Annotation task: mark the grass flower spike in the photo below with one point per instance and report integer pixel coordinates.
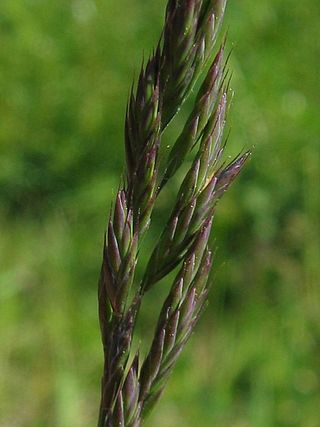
(131, 383)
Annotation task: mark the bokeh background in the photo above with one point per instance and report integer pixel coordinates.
(65, 72)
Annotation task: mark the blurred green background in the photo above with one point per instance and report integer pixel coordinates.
(65, 72)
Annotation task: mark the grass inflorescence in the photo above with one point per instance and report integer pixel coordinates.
(132, 384)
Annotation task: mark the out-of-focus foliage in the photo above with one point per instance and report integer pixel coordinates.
(65, 72)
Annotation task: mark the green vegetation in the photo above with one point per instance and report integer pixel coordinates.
(66, 69)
